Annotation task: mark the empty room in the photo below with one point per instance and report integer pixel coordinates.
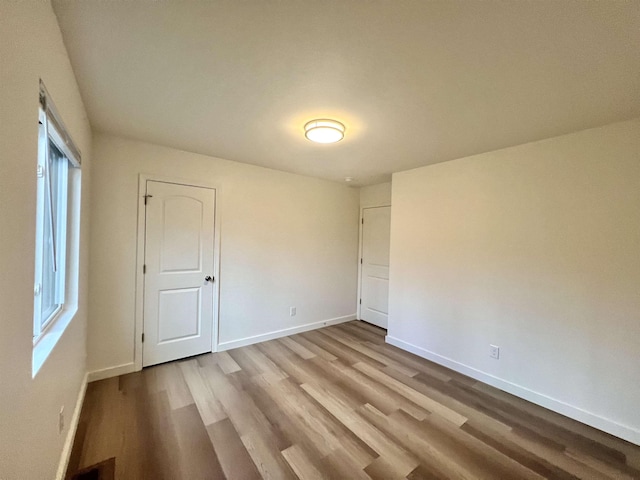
(332, 239)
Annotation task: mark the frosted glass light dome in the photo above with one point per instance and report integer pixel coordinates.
(324, 131)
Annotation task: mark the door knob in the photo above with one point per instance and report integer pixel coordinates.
(208, 278)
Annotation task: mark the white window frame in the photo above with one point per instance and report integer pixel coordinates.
(47, 133)
(65, 230)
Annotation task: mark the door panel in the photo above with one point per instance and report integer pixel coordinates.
(375, 265)
(183, 305)
(178, 301)
(378, 294)
(181, 234)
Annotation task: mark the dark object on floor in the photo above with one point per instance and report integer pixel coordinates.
(101, 471)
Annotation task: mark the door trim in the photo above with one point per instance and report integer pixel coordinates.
(360, 240)
(141, 229)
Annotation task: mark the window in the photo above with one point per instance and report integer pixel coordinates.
(57, 231)
(51, 242)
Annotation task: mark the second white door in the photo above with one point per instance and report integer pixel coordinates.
(179, 265)
(374, 279)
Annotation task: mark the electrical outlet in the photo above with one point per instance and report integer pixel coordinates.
(61, 420)
(494, 351)
(292, 311)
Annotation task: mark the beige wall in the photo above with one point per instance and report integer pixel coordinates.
(286, 240)
(375, 195)
(536, 249)
(31, 48)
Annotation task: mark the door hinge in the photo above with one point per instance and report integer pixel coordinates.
(360, 261)
(147, 197)
(360, 301)
(142, 337)
(363, 221)
(144, 269)
(40, 171)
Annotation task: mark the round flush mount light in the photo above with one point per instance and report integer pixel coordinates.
(324, 131)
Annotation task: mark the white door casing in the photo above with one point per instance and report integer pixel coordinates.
(179, 255)
(374, 279)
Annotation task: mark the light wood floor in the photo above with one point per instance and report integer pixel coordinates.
(333, 403)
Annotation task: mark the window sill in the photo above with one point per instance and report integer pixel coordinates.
(48, 340)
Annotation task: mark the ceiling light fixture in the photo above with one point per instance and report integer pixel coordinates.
(324, 131)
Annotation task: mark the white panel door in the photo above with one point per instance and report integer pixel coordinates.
(375, 265)
(178, 283)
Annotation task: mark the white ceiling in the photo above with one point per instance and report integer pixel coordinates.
(415, 82)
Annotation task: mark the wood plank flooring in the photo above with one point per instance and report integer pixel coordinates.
(335, 403)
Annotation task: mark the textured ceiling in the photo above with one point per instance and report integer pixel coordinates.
(415, 82)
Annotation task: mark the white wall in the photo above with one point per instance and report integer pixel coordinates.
(536, 249)
(286, 240)
(31, 48)
(375, 195)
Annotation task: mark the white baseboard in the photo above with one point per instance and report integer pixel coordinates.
(71, 434)
(112, 371)
(243, 342)
(601, 423)
(130, 367)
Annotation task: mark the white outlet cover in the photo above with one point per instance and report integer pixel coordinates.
(61, 420)
(292, 311)
(494, 351)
